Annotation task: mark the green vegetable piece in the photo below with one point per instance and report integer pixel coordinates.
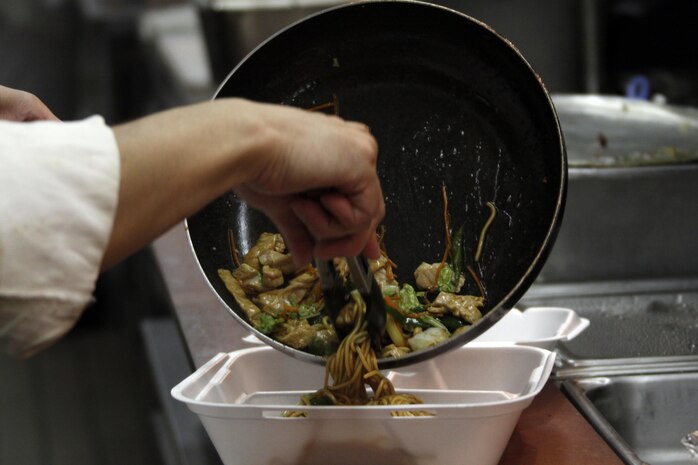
(393, 330)
(431, 321)
(457, 254)
(446, 279)
(324, 343)
(395, 314)
(411, 323)
(390, 290)
(408, 299)
(306, 311)
(268, 324)
(319, 400)
(452, 322)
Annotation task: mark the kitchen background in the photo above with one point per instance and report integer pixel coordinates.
(94, 397)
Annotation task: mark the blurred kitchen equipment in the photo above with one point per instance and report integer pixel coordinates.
(690, 442)
(232, 28)
(452, 104)
(633, 178)
(240, 398)
(641, 409)
(608, 131)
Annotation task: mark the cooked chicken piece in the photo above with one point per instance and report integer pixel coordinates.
(276, 259)
(425, 275)
(272, 277)
(342, 268)
(266, 242)
(250, 279)
(383, 271)
(233, 285)
(274, 302)
(392, 350)
(296, 333)
(463, 306)
(426, 278)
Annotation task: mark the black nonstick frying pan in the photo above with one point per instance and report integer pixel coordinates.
(451, 104)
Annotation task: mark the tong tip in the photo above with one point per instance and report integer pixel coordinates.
(367, 286)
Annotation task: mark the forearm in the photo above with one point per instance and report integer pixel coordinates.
(172, 164)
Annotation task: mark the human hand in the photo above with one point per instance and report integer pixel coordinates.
(315, 178)
(18, 105)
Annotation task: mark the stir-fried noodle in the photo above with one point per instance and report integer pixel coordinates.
(354, 366)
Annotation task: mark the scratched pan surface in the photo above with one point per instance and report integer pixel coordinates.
(451, 103)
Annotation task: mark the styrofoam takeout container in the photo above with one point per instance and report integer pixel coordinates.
(542, 327)
(476, 394)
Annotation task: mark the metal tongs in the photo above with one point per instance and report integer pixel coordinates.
(335, 294)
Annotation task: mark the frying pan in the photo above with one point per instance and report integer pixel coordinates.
(451, 103)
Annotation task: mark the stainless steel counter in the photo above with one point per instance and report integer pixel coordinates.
(206, 325)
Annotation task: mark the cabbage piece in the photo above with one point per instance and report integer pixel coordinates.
(394, 331)
(408, 299)
(428, 338)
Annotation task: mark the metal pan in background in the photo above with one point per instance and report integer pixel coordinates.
(603, 131)
(451, 103)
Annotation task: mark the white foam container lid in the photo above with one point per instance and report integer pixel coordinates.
(542, 327)
(476, 394)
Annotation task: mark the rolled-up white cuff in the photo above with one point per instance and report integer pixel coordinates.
(58, 194)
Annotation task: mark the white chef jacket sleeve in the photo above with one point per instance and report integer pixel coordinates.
(58, 195)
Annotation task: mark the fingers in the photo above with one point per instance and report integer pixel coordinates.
(359, 126)
(331, 216)
(42, 112)
(338, 227)
(35, 110)
(363, 243)
(372, 249)
(304, 246)
(18, 105)
(299, 242)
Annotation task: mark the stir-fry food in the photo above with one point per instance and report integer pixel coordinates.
(353, 368)
(287, 304)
